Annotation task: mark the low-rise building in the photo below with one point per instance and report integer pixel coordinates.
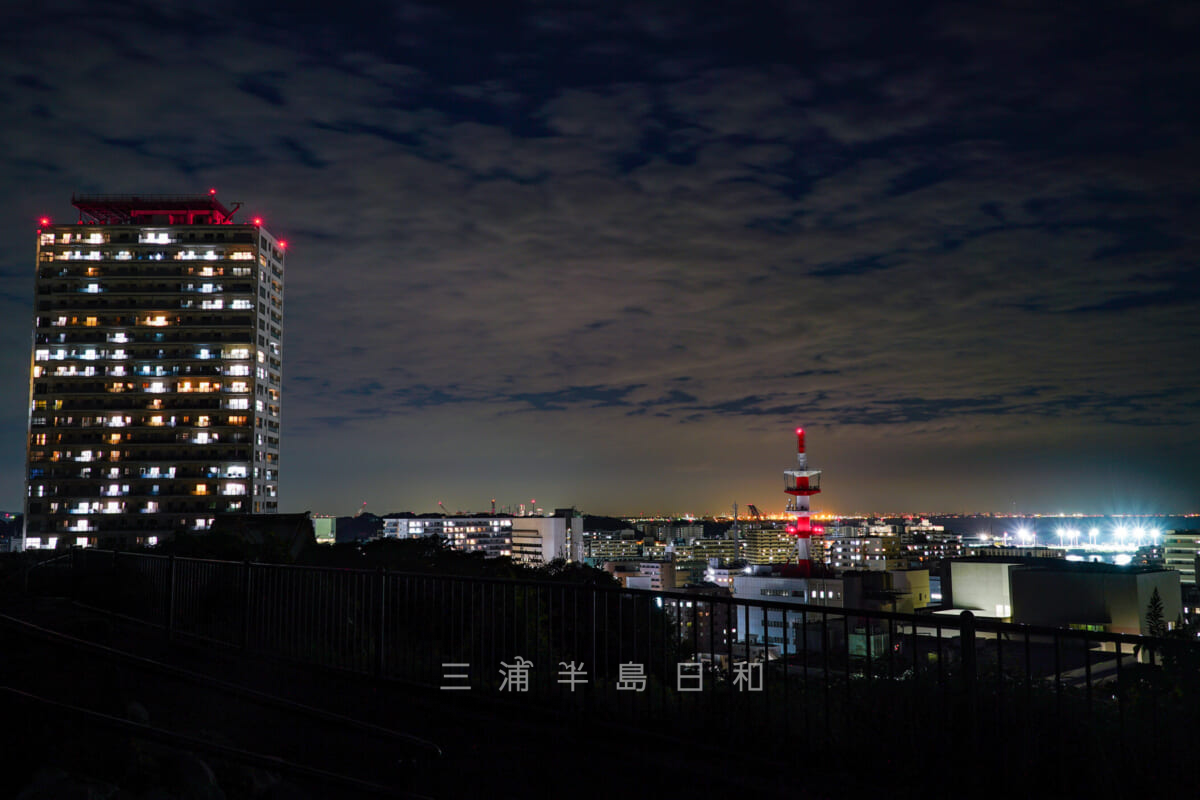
(601, 546)
(529, 540)
(768, 546)
(1064, 594)
(658, 576)
(706, 549)
(876, 553)
(491, 536)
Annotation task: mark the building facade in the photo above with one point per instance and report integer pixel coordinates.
(769, 546)
(1181, 551)
(156, 377)
(529, 540)
(491, 536)
(1058, 593)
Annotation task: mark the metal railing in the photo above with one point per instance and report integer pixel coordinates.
(758, 675)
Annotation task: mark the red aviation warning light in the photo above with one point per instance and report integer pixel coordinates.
(44, 221)
(258, 220)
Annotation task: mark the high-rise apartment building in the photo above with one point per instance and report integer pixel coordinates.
(156, 374)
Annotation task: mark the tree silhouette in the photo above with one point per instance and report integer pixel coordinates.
(1156, 624)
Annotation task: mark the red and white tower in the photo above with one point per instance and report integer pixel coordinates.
(801, 483)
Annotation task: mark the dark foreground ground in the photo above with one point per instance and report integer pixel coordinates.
(487, 750)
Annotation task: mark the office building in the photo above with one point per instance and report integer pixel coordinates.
(155, 388)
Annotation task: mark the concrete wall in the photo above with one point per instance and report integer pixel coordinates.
(982, 587)
(1114, 599)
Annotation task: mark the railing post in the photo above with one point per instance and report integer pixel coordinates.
(170, 595)
(246, 605)
(969, 668)
(114, 586)
(72, 579)
(380, 605)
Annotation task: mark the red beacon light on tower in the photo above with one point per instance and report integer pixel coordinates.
(258, 220)
(44, 221)
(212, 191)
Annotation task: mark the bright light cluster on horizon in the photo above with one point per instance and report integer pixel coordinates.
(1120, 537)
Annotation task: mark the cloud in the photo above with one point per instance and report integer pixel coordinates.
(880, 224)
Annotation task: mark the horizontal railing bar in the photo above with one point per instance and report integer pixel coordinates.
(951, 622)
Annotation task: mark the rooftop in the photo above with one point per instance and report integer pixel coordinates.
(124, 209)
(1059, 564)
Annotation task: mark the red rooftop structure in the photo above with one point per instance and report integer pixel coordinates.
(114, 209)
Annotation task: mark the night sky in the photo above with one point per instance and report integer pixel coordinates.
(611, 255)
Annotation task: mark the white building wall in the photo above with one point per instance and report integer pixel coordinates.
(539, 538)
(984, 588)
